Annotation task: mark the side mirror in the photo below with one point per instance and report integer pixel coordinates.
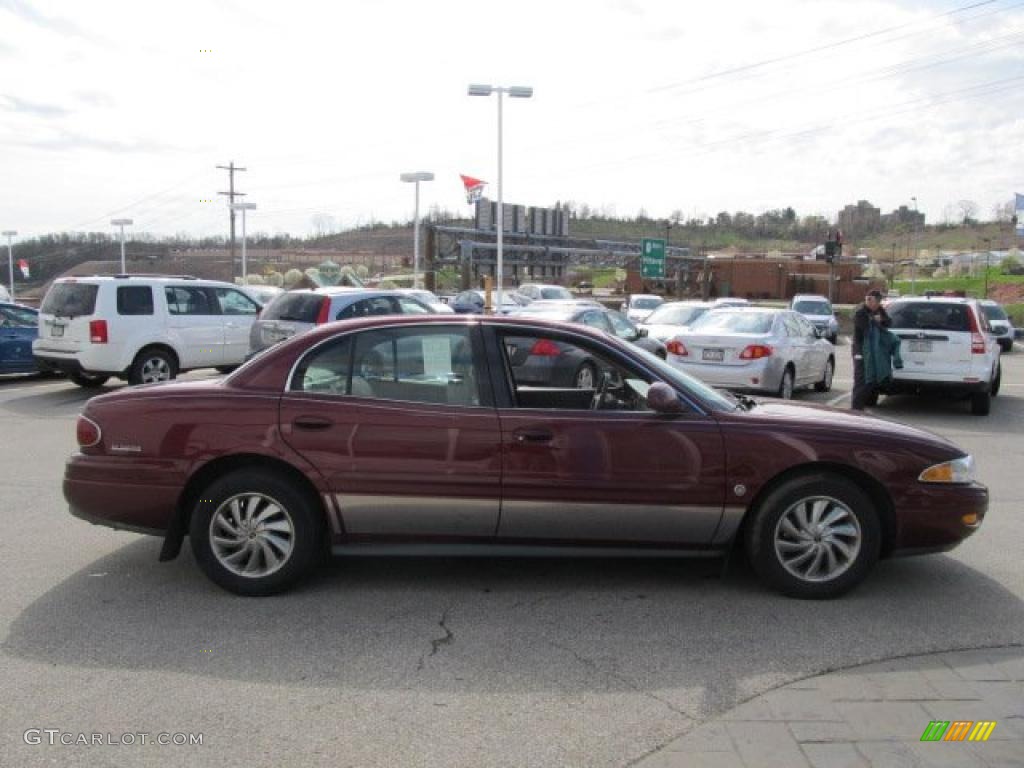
(663, 399)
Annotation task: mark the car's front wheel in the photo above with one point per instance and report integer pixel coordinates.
(815, 536)
(826, 379)
(254, 533)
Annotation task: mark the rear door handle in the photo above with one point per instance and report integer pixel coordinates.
(534, 436)
(312, 422)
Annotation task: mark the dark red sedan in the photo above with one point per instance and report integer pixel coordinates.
(412, 435)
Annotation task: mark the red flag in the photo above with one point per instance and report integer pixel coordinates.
(474, 188)
(23, 266)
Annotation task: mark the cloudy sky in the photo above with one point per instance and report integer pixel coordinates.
(125, 108)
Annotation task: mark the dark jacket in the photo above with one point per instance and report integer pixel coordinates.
(862, 322)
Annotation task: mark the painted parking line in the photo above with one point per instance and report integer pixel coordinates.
(839, 399)
(34, 387)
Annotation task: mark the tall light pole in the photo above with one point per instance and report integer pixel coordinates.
(122, 223)
(416, 178)
(913, 256)
(515, 92)
(243, 207)
(988, 255)
(9, 233)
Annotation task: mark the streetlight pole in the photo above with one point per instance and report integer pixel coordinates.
(988, 256)
(10, 260)
(913, 257)
(416, 178)
(122, 223)
(243, 207)
(515, 92)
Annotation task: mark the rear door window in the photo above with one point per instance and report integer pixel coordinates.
(190, 300)
(70, 299)
(295, 307)
(134, 300)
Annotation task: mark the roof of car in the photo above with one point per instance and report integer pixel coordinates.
(808, 296)
(143, 278)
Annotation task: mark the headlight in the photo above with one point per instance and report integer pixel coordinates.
(956, 471)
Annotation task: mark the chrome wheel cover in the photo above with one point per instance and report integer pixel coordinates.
(252, 535)
(155, 369)
(817, 539)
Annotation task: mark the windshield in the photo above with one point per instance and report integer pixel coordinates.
(673, 314)
(734, 322)
(555, 292)
(646, 302)
(994, 312)
(814, 307)
(70, 299)
(685, 382)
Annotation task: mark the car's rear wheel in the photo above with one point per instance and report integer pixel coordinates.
(88, 380)
(153, 365)
(826, 380)
(255, 533)
(997, 380)
(981, 403)
(786, 385)
(815, 536)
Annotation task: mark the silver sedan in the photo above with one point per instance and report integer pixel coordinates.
(755, 349)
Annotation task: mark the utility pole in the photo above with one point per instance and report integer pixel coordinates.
(231, 168)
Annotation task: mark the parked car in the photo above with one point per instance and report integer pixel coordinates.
(757, 349)
(542, 366)
(19, 326)
(472, 302)
(674, 317)
(946, 347)
(429, 298)
(999, 322)
(414, 434)
(639, 305)
(262, 294)
(817, 309)
(295, 312)
(543, 291)
(141, 328)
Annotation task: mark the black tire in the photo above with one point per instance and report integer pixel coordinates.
(1006, 345)
(825, 384)
(301, 511)
(786, 384)
(981, 403)
(226, 369)
(88, 380)
(997, 382)
(765, 525)
(585, 370)
(151, 365)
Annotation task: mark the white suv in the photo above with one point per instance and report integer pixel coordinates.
(946, 345)
(141, 328)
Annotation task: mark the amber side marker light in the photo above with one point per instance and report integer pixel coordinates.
(970, 519)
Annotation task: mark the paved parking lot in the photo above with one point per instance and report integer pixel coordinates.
(493, 662)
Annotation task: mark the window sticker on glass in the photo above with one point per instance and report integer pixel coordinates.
(437, 356)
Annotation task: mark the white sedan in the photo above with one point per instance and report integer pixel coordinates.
(774, 351)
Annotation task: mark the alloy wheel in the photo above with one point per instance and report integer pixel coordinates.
(252, 535)
(817, 539)
(155, 369)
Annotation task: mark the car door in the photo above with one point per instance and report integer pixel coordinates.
(400, 423)
(238, 313)
(195, 325)
(575, 475)
(816, 350)
(795, 346)
(18, 328)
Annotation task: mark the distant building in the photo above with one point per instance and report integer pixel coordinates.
(903, 216)
(860, 219)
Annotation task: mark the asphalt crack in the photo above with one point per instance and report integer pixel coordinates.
(437, 642)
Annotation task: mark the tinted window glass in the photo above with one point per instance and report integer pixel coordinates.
(236, 303)
(134, 300)
(16, 317)
(295, 307)
(555, 293)
(412, 307)
(189, 300)
(70, 299)
(994, 312)
(595, 320)
(378, 305)
(930, 316)
(813, 307)
(647, 302)
(623, 328)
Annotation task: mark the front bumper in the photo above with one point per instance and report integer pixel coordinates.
(930, 516)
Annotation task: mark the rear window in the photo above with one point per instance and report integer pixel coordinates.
(134, 300)
(555, 293)
(647, 302)
(734, 322)
(70, 299)
(296, 307)
(675, 315)
(813, 308)
(930, 316)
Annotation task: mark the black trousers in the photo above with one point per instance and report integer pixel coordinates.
(862, 391)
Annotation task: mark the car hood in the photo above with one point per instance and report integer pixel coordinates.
(848, 423)
(664, 332)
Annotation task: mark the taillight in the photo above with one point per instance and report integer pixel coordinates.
(325, 310)
(677, 348)
(545, 348)
(87, 432)
(977, 340)
(98, 331)
(755, 352)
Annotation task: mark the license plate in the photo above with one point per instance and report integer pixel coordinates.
(713, 355)
(56, 330)
(920, 346)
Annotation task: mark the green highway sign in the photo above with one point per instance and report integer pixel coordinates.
(652, 258)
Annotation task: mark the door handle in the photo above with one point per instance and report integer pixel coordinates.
(534, 436)
(312, 422)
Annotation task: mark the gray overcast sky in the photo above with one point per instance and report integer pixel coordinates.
(118, 108)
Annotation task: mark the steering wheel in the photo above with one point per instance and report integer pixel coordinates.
(599, 393)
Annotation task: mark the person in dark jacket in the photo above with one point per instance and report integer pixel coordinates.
(864, 392)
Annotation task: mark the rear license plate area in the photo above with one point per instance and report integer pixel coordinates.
(919, 346)
(713, 355)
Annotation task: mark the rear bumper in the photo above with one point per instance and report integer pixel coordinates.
(69, 363)
(123, 493)
(931, 516)
(763, 375)
(914, 386)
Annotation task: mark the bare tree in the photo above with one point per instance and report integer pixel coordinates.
(1003, 212)
(968, 210)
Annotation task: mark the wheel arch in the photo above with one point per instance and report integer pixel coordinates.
(161, 345)
(218, 467)
(880, 498)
